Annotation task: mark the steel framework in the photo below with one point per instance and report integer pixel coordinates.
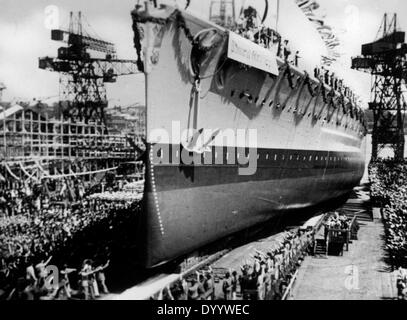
(222, 12)
(82, 81)
(385, 60)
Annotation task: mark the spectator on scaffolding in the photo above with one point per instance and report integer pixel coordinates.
(166, 294)
(286, 50)
(249, 34)
(101, 278)
(326, 77)
(41, 274)
(193, 290)
(401, 281)
(201, 287)
(227, 287)
(209, 287)
(65, 283)
(340, 85)
(235, 281)
(316, 72)
(30, 283)
(3, 204)
(331, 80)
(250, 15)
(42, 288)
(278, 263)
(261, 281)
(253, 286)
(177, 291)
(86, 281)
(296, 58)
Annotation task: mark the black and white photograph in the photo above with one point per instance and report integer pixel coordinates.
(219, 151)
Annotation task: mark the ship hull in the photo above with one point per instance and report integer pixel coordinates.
(188, 207)
(307, 151)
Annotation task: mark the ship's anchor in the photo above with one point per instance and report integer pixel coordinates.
(192, 142)
(194, 104)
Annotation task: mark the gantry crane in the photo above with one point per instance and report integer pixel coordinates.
(2, 87)
(385, 60)
(83, 77)
(222, 12)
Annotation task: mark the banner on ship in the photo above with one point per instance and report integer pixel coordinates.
(251, 54)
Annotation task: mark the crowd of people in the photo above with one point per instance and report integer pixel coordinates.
(389, 192)
(266, 277)
(270, 39)
(45, 282)
(35, 224)
(338, 221)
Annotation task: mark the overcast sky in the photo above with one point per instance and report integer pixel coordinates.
(24, 38)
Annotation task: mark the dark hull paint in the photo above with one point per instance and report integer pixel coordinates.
(186, 207)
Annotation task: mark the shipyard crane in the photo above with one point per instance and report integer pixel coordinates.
(82, 76)
(385, 60)
(2, 87)
(222, 12)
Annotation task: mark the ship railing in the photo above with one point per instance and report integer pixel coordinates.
(288, 291)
